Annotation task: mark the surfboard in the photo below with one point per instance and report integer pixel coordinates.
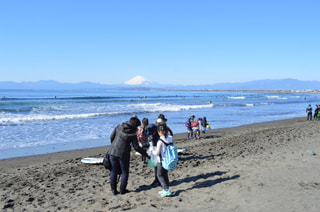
(181, 150)
(92, 160)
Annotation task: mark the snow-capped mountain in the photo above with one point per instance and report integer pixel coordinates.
(138, 80)
(141, 83)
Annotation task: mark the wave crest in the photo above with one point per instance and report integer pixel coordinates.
(133, 109)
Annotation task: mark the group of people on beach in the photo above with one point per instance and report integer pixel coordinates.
(195, 127)
(143, 136)
(140, 136)
(316, 115)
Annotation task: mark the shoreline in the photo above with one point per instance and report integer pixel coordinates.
(24, 139)
(101, 150)
(256, 167)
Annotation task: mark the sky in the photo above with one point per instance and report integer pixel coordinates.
(180, 42)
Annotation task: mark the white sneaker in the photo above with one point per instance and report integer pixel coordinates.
(166, 193)
(162, 191)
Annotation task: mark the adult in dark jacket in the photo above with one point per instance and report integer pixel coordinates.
(121, 139)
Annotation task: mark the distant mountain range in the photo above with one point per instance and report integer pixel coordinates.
(279, 84)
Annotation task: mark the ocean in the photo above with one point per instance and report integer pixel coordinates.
(36, 122)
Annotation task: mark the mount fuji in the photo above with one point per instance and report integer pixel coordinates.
(138, 80)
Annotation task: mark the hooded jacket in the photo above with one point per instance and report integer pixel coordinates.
(121, 139)
(161, 147)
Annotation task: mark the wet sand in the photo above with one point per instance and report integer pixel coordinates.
(258, 167)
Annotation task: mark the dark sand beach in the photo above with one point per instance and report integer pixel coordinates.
(258, 167)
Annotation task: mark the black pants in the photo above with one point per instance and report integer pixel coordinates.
(315, 116)
(309, 116)
(163, 178)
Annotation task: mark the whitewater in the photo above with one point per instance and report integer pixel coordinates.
(43, 121)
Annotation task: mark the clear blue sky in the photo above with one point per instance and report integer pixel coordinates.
(166, 41)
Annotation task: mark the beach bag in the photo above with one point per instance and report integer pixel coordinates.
(170, 159)
(188, 123)
(106, 162)
(195, 123)
(153, 161)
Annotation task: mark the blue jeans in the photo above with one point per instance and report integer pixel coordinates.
(190, 132)
(119, 167)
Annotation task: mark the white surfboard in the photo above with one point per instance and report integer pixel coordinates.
(181, 150)
(92, 160)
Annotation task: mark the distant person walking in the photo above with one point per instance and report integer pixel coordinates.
(196, 126)
(189, 127)
(309, 112)
(204, 124)
(315, 116)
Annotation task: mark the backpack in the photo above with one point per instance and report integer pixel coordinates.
(140, 135)
(106, 162)
(188, 123)
(170, 159)
(195, 123)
